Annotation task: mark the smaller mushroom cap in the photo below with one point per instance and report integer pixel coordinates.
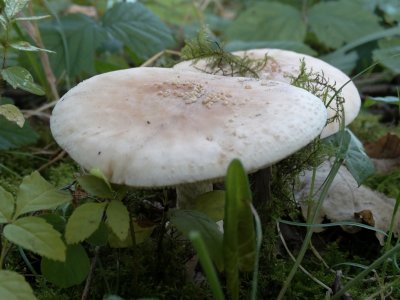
(154, 127)
(282, 65)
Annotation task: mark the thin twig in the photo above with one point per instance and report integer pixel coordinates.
(300, 266)
(36, 112)
(85, 292)
(157, 56)
(57, 158)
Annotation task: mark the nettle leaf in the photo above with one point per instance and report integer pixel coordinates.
(118, 219)
(138, 28)
(95, 186)
(25, 46)
(13, 114)
(35, 193)
(13, 7)
(72, 271)
(388, 54)
(337, 22)
(84, 221)
(75, 40)
(13, 286)
(268, 21)
(36, 235)
(19, 77)
(6, 206)
(13, 136)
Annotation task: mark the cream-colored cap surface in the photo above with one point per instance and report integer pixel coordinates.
(282, 64)
(153, 127)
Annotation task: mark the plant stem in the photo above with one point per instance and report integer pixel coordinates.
(3, 253)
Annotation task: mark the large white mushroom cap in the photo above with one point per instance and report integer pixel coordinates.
(282, 65)
(153, 127)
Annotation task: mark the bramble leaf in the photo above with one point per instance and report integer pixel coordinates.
(118, 219)
(13, 286)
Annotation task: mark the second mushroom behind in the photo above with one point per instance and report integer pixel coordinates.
(155, 127)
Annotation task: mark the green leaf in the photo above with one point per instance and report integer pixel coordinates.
(338, 22)
(268, 21)
(54, 220)
(6, 206)
(69, 273)
(239, 245)
(343, 61)
(95, 186)
(174, 11)
(75, 40)
(13, 286)
(84, 221)
(36, 235)
(33, 18)
(138, 28)
(373, 100)
(19, 77)
(118, 219)
(13, 7)
(25, 46)
(288, 45)
(12, 136)
(388, 54)
(391, 9)
(12, 114)
(35, 193)
(100, 236)
(212, 204)
(188, 220)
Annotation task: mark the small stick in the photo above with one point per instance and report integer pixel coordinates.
(85, 292)
(57, 158)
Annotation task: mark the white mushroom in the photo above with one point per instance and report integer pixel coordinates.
(283, 65)
(346, 201)
(155, 127)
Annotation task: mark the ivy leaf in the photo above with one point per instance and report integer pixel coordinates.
(13, 7)
(12, 136)
(138, 28)
(25, 46)
(84, 221)
(35, 193)
(6, 206)
(13, 114)
(189, 220)
(36, 235)
(337, 22)
(268, 21)
(13, 286)
(72, 271)
(118, 219)
(19, 77)
(388, 54)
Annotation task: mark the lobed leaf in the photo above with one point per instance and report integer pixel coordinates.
(84, 220)
(35, 193)
(13, 286)
(36, 235)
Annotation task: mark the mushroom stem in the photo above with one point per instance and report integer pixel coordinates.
(187, 193)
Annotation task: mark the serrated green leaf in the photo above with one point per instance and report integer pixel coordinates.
(288, 45)
(95, 186)
(35, 193)
(189, 220)
(239, 244)
(100, 236)
(118, 219)
(337, 22)
(84, 221)
(36, 235)
(268, 21)
(141, 234)
(54, 220)
(212, 204)
(13, 286)
(13, 114)
(388, 54)
(13, 7)
(12, 136)
(19, 77)
(75, 40)
(25, 46)
(138, 28)
(6, 206)
(69, 273)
